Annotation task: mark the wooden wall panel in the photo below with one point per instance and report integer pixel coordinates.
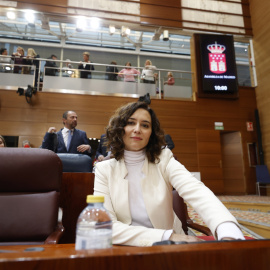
(49, 6)
(185, 146)
(232, 159)
(35, 141)
(210, 147)
(183, 134)
(171, 3)
(161, 15)
(211, 173)
(217, 186)
(261, 29)
(191, 125)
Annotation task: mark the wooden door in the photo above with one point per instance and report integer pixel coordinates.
(233, 164)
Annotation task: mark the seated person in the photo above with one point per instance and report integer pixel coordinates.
(137, 184)
(68, 139)
(26, 144)
(2, 142)
(169, 142)
(102, 153)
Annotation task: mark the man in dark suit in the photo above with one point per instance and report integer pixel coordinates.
(50, 66)
(86, 66)
(101, 152)
(169, 141)
(68, 139)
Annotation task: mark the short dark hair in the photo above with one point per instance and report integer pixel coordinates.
(2, 50)
(53, 55)
(115, 132)
(65, 114)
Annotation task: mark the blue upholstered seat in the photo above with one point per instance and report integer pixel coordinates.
(75, 162)
(263, 177)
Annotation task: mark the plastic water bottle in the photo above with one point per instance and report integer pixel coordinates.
(94, 226)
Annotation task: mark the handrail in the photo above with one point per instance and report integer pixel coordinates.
(56, 83)
(92, 63)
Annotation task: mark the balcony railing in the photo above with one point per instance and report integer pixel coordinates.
(66, 79)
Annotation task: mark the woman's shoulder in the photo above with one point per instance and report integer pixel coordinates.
(106, 164)
(165, 155)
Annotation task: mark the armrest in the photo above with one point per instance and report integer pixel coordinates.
(198, 227)
(55, 236)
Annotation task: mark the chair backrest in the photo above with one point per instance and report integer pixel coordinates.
(262, 174)
(75, 162)
(180, 209)
(30, 183)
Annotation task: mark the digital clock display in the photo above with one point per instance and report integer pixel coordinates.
(216, 64)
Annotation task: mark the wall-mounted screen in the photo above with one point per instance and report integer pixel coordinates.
(216, 66)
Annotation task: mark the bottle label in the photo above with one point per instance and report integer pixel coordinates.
(93, 239)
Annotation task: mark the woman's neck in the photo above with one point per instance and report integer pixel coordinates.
(133, 158)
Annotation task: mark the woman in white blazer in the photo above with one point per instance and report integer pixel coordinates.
(137, 184)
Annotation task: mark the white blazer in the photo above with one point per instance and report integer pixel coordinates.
(157, 193)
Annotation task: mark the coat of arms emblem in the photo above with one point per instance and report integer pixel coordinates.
(217, 59)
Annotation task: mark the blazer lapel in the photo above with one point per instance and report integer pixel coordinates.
(121, 201)
(156, 195)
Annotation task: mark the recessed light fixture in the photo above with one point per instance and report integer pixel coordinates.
(30, 16)
(81, 24)
(95, 23)
(125, 31)
(11, 15)
(111, 29)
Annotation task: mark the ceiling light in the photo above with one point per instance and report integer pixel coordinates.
(95, 23)
(111, 29)
(29, 16)
(81, 24)
(125, 31)
(11, 15)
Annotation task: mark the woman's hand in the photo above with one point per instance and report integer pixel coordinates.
(182, 237)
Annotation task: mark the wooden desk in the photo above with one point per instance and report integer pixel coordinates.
(251, 255)
(73, 193)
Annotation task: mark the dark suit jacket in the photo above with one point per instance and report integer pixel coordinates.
(55, 142)
(50, 71)
(169, 141)
(86, 74)
(111, 73)
(101, 150)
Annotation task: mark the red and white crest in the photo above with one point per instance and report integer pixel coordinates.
(217, 59)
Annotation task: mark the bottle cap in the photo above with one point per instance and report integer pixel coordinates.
(94, 199)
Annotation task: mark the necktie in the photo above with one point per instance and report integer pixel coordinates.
(69, 139)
